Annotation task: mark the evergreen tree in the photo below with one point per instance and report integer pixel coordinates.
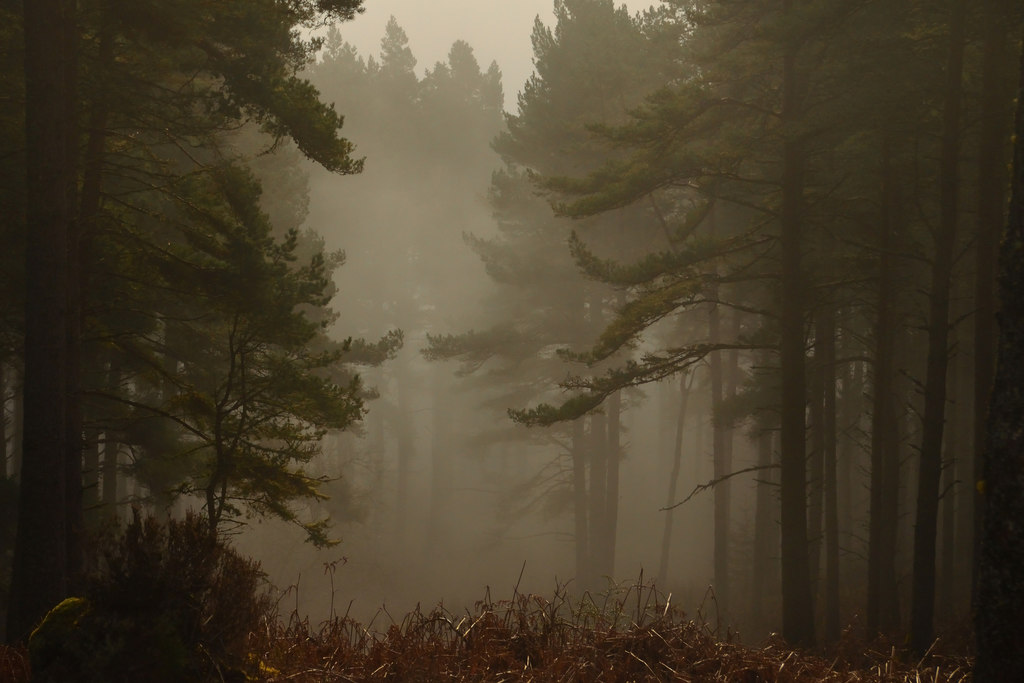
(542, 302)
(197, 70)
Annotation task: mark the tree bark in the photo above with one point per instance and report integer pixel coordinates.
(40, 565)
(598, 493)
(992, 181)
(851, 406)
(111, 450)
(882, 614)
(579, 496)
(440, 470)
(612, 499)
(17, 423)
(3, 421)
(406, 452)
(827, 346)
(685, 380)
(766, 540)
(816, 467)
(1000, 596)
(797, 613)
(922, 610)
(721, 456)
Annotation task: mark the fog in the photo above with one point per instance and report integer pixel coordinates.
(446, 302)
(441, 496)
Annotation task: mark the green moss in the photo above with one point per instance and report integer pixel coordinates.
(56, 648)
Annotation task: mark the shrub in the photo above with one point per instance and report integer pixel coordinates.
(168, 603)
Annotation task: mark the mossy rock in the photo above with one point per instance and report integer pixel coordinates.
(56, 646)
(76, 642)
(59, 626)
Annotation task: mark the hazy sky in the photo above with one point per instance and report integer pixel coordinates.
(498, 30)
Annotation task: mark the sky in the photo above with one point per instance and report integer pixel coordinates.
(498, 30)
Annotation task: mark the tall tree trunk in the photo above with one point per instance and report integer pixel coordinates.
(816, 467)
(579, 496)
(73, 417)
(111, 449)
(685, 380)
(440, 469)
(17, 423)
(922, 610)
(827, 346)
(611, 510)
(4, 469)
(722, 458)
(81, 357)
(992, 181)
(766, 540)
(882, 612)
(1000, 595)
(406, 451)
(598, 494)
(40, 565)
(850, 407)
(797, 610)
(952, 451)
(91, 478)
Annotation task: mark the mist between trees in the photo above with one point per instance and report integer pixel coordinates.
(716, 303)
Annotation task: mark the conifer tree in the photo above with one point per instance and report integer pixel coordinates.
(190, 74)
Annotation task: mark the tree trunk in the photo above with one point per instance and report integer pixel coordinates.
(797, 612)
(579, 496)
(827, 346)
(952, 450)
(922, 609)
(88, 221)
(685, 381)
(1000, 596)
(440, 470)
(598, 494)
(111, 450)
(4, 469)
(40, 565)
(816, 468)
(722, 458)
(882, 609)
(406, 450)
(766, 542)
(850, 407)
(991, 199)
(17, 423)
(612, 500)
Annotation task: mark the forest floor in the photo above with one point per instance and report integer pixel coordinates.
(531, 638)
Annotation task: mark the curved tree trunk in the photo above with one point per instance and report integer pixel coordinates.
(1000, 597)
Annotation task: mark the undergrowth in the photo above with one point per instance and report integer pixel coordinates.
(630, 633)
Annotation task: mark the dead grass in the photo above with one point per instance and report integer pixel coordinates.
(629, 634)
(632, 634)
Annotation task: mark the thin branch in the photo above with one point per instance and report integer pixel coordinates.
(714, 482)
